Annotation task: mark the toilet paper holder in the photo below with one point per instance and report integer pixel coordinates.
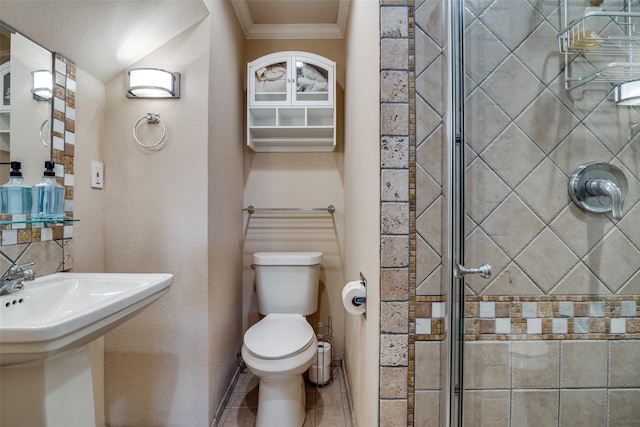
(360, 300)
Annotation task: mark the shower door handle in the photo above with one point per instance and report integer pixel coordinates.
(483, 271)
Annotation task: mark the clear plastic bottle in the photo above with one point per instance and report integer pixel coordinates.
(15, 197)
(48, 196)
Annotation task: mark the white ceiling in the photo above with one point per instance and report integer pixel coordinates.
(105, 37)
(292, 19)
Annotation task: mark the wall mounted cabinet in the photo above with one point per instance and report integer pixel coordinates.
(5, 106)
(291, 103)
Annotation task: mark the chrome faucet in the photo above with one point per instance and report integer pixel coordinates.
(604, 187)
(599, 187)
(12, 280)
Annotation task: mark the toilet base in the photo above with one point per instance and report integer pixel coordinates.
(281, 401)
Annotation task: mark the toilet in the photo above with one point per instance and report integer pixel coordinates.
(282, 346)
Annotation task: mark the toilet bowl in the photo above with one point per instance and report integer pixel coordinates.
(278, 349)
(282, 346)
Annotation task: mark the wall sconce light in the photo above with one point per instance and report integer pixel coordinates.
(153, 83)
(628, 93)
(42, 89)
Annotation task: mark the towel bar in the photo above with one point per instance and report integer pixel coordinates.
(251, 209)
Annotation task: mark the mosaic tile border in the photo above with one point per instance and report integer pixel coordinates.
(552, 317)
(62, 152)
(430, 318)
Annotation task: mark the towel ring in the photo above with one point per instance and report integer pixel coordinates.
(152, 119)
(41, 130)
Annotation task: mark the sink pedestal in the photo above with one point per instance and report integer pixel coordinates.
(57, 391)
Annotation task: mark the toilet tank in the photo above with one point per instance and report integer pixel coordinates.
(287, 282)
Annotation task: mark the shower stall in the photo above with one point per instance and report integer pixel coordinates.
(544, 299)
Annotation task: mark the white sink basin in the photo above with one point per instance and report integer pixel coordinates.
(63, 311)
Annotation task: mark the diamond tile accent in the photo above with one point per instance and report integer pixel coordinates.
(580, 230)
(614, 260)
(432, 78)
(429, 260)
(535, 47)
(512, 86)
(484, 190)
(611, 125)
(479, 248)
(512, 226)
(547, 112)
(579, 147)
(428, 225)
(580, 281)
(512, 281)
(426, 51)
(427, 119)
(545, 190)
(511, 20)
(629, 225)
(429, 154)
(483, 120)
(477, 6)
(484, 54)
(429, 17)
(630, 156)
(512, 155)
(547, 260)
(428, 190)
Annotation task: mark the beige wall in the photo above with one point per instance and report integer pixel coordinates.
(226, 81)
(88, 238)
(299, 180)
(156, 205)
(362, 196)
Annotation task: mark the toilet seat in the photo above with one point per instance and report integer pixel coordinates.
(279, 336)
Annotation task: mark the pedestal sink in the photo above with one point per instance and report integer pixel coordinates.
(45, 370)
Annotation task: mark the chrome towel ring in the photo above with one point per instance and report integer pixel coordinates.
(44, 141)
(152, 119)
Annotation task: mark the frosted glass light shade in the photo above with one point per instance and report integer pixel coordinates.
(42, 89)
(153, 83)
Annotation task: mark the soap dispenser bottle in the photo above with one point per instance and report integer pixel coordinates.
(15, 196)
(48, 196)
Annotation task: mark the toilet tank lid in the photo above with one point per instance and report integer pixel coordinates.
(287, 258)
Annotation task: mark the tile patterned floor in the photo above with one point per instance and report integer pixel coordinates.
(327, 406)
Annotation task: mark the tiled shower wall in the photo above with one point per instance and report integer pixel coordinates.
(49, 246)
(557, 325)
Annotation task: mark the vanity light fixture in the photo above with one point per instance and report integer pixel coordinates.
(628, 93)
(153, 83)
(42, 89)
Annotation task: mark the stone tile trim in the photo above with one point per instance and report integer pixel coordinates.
(514, 318)
(397, 234)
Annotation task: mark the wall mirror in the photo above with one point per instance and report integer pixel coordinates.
(24, 121)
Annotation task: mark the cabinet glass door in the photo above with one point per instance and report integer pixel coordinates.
(270, 83)
(5, 87)
(312, 82)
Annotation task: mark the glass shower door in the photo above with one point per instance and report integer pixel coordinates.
(552, 337)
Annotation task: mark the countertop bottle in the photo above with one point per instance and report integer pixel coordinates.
(48, 196)
(15, 196)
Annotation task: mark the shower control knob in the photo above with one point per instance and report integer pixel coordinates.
(483, 271)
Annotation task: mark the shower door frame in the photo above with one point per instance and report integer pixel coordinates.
(455, 219)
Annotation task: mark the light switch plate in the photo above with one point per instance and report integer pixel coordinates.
(97, 174)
